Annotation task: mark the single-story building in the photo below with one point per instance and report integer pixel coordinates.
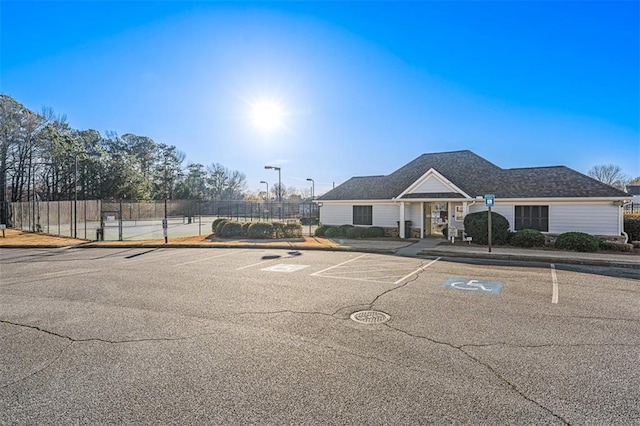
(437, 190)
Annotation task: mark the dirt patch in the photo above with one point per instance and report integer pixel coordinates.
(17, 237)
(20, 238)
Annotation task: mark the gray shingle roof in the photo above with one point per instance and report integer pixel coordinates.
(475, 176)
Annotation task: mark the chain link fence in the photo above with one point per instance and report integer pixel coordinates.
(118, 220)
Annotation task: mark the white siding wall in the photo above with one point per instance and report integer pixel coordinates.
(594, 219)
(432, 184)
(412, 212)
(336, 214)
(590, 218)
(386, 215)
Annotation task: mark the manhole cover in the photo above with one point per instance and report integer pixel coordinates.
(370, 317)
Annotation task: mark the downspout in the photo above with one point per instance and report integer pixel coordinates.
(621, 221)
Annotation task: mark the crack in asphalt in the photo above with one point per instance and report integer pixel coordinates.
(285, 311)
(49, 364)
(406, 282)
(492, 370)
(97, 339)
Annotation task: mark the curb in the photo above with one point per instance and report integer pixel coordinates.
(531, 258)
(236, 246)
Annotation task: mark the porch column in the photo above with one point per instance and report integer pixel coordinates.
(421, 220)
(401, 225)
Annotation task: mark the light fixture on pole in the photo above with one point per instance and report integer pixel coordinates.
(279, 181)
(266, 197)
(313, 188)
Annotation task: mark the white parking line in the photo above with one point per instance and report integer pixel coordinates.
(208, 258)
(417, 270)
(338, 265)
(554, 278)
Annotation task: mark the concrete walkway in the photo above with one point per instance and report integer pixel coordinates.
(440, 247)
(416, 248)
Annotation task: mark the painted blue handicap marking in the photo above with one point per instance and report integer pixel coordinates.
(478, 286)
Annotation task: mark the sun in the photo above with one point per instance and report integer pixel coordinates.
(267, 116)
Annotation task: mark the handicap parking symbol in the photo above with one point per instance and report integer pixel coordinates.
(472, 285)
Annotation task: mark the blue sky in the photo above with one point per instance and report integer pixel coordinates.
(366, 86)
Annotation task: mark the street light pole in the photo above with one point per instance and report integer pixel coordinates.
(279, 181)
(313, 187)
(313, 190)
(266, 198)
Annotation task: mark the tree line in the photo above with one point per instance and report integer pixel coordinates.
(43, 158)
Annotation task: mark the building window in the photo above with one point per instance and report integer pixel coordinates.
(363, 215)
(532, 217)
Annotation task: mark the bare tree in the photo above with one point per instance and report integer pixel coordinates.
(610, 174)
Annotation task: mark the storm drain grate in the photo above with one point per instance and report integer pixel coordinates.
(370, 317)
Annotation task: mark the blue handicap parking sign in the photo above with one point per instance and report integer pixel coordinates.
(472, 285)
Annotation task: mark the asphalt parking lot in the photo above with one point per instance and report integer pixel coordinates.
(193, 336)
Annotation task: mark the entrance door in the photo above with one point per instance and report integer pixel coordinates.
(438, 216)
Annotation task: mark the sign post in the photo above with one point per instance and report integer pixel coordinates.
(165, 225)
(489, 201)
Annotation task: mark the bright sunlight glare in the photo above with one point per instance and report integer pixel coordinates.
(267, 116)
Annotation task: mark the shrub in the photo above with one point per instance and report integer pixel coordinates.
(245, 228)
(356, 232)
(632, 227)
(216, 222)
(260, 230)
(292, 230)
(375, 232)
(527, 238)
(332, 232)
(616, 246)
(231, 229)
(342, 230)
(476, 225)
(577, 241)
(220, 225)
(320, 230)
(278, 229)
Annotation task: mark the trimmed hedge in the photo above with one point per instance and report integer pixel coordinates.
(332, 232)
(320, 230)
(476, 226)
(220, 225)
(231, 229)
(356, 232)
(632, 228)
(350, 231)
(578, 241)
(292, 230)
(342, 230)
(375, 232)
(260, 230)
(216, 222)
(616, 246)
(527, 238)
